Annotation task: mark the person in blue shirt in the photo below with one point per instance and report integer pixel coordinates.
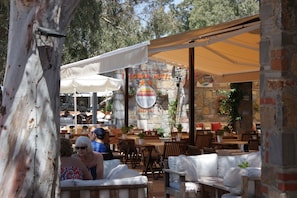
(98, 141)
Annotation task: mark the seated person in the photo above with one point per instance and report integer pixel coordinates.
(71, 168)
(91, 159)
(98, 140)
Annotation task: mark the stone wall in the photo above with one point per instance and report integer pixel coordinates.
(157, 116)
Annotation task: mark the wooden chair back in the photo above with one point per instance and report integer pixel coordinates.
(203, 140)
(174, 149)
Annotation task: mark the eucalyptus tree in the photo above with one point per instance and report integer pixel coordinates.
(102, 26)
(29, 133)
(4, 19)
(193, 14)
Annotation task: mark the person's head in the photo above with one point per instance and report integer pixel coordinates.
(65, 148)
(100, 133)
(83, 144)
(91, 133)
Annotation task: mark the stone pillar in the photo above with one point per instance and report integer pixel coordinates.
(278, 59)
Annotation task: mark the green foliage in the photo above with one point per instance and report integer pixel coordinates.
(197, 14)
(141, 135)
(229, 101)
(160, 132)
(220, 132)
(101, 26)
(4, 18)
(179, 127)
(172, 112)
(126, 129)
(243, 165)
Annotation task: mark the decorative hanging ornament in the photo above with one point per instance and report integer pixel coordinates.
(145, 96)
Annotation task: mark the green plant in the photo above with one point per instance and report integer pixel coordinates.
(179, 127)
(126, 129)
(131, 91)
(243, 165)
(140, 135)
(220, 132)
(172, 113)
(228, 103)
(160, 132)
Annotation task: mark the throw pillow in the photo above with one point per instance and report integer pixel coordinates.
(187, 165)
(115, 171)
(233, 179)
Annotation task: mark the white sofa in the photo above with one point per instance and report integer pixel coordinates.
(118, 181)
(186, 175)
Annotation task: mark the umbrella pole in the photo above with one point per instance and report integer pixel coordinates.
(75, 111)
(94, 108)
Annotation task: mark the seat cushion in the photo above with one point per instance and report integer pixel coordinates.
(187, 165)
(233, 179)
(230, 195)
(122, 171)
(206, 165)
(190, 186)
(109, 165)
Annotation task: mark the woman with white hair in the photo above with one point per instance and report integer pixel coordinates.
(93, 160)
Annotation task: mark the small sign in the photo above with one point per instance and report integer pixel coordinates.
(145, 96)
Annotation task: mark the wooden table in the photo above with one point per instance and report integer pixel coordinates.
(229, 142)
(212, 187)
(225, 152)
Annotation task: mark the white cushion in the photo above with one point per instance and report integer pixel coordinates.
(109, 165)
(253, 171)
(105, 182)
(233, 179)
(122, 171)
(230, 195)
(226, 162)
(206, 164)
(172, 164)
(187, 165)
(190, 186)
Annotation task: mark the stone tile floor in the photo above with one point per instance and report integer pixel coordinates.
(158, 184)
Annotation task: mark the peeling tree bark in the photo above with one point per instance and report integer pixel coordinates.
(29, 136)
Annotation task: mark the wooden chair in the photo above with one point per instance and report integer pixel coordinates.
(114, 136)
(174, 149)
(203, 140)
(253, 140)
(128, 149)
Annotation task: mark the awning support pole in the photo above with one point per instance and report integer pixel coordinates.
(192, 128)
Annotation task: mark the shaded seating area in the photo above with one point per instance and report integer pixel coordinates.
(211, 175)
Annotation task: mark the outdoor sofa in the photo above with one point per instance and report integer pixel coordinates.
(211, 175)
(119, 181)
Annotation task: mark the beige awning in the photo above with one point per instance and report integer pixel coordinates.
(107, 62)
(228, 51)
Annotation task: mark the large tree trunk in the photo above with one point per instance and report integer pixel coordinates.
(29, 138)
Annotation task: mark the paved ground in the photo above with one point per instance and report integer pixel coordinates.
(158, 184)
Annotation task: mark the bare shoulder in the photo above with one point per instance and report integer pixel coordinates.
(98, 155)
(76, 161)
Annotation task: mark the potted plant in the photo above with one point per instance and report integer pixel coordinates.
(179, 128)
(160, 132)
(84, 129)
(141, 136)
(220, 134)
(125, 130)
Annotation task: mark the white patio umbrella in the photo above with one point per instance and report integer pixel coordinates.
(93, 83)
